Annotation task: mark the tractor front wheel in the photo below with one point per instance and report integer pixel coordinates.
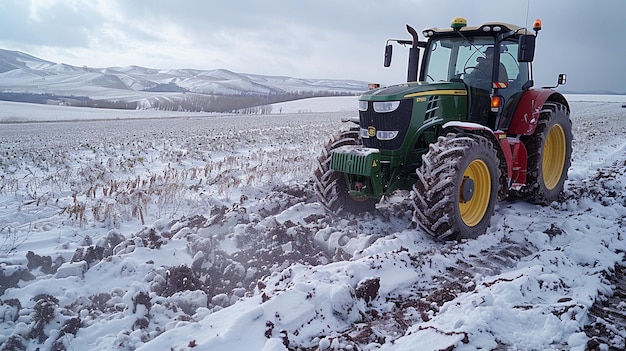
(457, 187)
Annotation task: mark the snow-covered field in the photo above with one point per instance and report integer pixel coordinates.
(201, 232)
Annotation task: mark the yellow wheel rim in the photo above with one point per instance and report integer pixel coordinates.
(473, 211)
(553, 157)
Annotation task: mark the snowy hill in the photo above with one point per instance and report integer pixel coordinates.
(20, 72)
(11, 60)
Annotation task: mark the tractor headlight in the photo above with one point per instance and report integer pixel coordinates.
(363, 133)
(386, 134)
(362, 105)
(386, 106)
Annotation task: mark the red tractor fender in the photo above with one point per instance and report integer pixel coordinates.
(529, 108)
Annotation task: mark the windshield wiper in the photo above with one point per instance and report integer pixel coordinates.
(471, 42)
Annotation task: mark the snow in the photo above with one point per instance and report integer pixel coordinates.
(174, 231)
(317, 105)
(17, 112)
(357, 150)
(465, 125)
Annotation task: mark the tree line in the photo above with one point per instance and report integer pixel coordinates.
(245, 103)
(66, 100)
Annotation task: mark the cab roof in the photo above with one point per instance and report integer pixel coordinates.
(485, 29)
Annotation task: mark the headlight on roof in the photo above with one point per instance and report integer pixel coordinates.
(386, 106)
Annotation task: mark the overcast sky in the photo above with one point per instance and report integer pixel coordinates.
(332, 39)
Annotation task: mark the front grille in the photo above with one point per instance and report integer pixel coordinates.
(399, 120)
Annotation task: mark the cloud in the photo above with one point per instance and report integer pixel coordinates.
(35, 24)
(313, 39)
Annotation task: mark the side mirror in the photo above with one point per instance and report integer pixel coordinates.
(388, 51)
(526, 48)
(561, 81)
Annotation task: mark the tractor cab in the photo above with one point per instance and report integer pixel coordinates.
(493, 60)
(488, 67)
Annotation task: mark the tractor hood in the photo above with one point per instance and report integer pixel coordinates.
(414, 89)
(395, 117)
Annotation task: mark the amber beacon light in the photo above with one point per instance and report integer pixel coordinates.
(537, 25)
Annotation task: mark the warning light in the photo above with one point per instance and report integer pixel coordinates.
(537, 26)
(496, 102)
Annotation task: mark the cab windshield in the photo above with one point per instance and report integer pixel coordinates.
(457, 58)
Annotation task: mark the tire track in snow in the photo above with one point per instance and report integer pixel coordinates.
(519, 243)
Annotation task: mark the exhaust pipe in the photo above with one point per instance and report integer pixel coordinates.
(413, 56)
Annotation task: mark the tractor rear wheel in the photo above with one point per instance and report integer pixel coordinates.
(549, 155)
(457, 187)
(330, 186)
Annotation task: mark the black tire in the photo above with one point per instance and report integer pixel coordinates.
(457, 187)
(330, 186)
(549, 155)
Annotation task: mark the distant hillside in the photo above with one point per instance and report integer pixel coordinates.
(26, 78)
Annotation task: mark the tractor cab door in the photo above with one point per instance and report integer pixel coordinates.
(519, 80)
(454, 59)
(482, 68)
(497, 72)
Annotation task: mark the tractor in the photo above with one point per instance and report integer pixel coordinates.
(466, 130)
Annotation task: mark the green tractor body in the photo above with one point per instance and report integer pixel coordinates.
(393, 142)
(466, 130)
